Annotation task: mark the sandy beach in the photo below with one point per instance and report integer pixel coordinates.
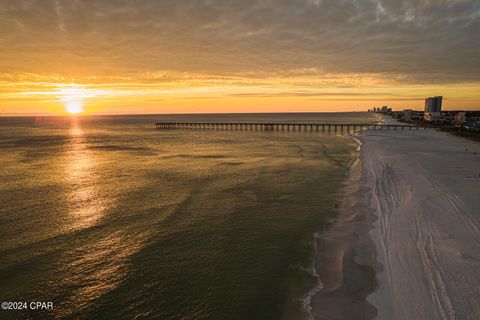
(406, 244)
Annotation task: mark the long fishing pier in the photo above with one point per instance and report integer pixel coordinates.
(335, 127)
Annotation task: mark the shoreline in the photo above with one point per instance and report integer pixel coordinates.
(406, 241)
(347, 280)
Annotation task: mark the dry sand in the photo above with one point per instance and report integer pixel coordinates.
(407, 241)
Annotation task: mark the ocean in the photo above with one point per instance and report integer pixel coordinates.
(110, 218)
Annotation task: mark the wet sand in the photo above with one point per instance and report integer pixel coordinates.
(406, 244)
(346, 256)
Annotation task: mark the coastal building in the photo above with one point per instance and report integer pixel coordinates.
(417, 115)
(407, 115)
(433, 109)
(429, 105)
(383, 110)
(472, 124)
(433, 104)
(459, 118)
(472, 121)
(432, 116)
(397, 114)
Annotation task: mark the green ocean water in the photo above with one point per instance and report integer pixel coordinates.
(109, 218)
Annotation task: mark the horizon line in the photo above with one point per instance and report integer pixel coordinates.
(206, 113)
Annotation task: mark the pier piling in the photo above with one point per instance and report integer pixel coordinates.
(305, 127)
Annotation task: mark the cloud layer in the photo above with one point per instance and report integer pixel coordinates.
(415, 41)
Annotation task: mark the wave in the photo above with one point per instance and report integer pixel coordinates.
(312, 271)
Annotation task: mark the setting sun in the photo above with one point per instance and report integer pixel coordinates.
(74, 107)
(257, 159)
(73, 97)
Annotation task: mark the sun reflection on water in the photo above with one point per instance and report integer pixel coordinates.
(86, 206)
(100, 260)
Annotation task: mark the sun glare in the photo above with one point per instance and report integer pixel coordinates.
(73, 97)
(74, 107)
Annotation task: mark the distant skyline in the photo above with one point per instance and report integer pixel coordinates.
(121, 57)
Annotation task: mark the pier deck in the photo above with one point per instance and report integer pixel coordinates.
(285, 126)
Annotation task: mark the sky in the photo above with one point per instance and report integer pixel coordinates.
(179, 56)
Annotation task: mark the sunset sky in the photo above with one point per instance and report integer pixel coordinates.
(178, 56)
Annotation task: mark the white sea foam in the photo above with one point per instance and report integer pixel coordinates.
(318, 286)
